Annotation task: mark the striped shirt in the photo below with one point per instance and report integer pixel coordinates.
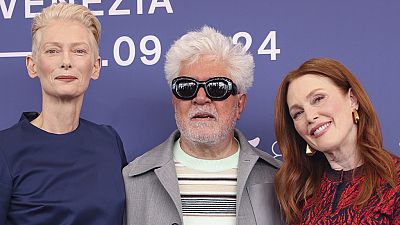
(207, 188)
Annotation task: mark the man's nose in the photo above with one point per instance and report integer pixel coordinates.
(201, 97)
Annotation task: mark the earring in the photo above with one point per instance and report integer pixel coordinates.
(310, 151)
(356, 117)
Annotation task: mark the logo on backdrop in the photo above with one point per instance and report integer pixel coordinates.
(126, 50)
(33, 7)
(274, 147)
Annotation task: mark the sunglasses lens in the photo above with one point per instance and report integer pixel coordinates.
(186, 89)
(217, 89)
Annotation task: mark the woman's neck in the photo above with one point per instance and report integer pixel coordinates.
(59, 116)
(344, 159)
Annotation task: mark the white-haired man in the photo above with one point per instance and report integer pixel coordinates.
(206, 172)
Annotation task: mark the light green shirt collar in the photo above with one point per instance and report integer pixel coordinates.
(204, 164)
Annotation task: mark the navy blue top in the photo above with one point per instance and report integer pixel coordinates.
(68, 179)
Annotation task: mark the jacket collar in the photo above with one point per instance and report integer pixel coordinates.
(28, 116)
(247, 151)
(155, 158)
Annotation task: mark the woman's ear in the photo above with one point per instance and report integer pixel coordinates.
(31, 66)
(96, 69)
(353, 99)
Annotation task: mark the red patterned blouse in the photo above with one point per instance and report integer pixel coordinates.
(335, 201)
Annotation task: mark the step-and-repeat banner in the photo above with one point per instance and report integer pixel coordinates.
(132, 94)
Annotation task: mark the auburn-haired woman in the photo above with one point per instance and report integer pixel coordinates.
(335, 169)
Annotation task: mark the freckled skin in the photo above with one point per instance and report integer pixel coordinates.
(315, 100)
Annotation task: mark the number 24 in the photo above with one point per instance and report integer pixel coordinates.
(262, 50)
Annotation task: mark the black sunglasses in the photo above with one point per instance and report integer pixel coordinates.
(216, 88)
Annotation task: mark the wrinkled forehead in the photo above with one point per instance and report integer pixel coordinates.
(301, 88)
(71, 29)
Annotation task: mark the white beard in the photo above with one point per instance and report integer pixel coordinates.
(206, 132)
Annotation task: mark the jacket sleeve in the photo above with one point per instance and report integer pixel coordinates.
(5, 188)
(121, 151)
(396, 199)
(120, 147)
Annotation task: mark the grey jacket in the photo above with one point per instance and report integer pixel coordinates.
(152, 191)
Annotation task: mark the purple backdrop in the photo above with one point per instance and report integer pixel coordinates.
(362, 34)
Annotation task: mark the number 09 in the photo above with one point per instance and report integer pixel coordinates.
(155, 51)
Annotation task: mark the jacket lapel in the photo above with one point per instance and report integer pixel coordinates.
(247, 160)
(160, 159)
(168, 178)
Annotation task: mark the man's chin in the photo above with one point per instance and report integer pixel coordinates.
(206, 137)
(202, 126)
(204, 141)
(201, 137)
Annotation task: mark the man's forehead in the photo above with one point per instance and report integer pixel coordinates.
(203, 70)
(205, 77)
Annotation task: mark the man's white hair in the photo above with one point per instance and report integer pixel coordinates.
(211, 44)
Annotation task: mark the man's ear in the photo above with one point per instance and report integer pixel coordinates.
(96, 69)
(31, 66)
(241, 104)
(353, 99)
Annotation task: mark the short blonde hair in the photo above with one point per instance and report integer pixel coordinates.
(66, 11)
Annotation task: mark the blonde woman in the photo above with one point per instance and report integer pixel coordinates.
(55, 167)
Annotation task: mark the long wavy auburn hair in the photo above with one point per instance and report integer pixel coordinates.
(300, 175)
